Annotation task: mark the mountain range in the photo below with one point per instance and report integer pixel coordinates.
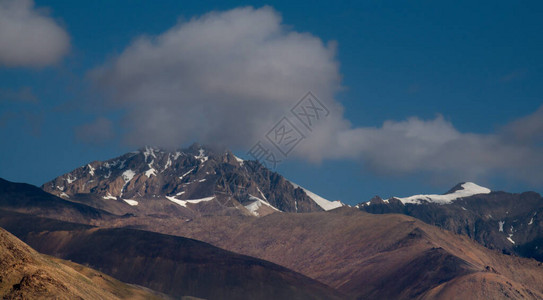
(505, 221)
(201, 222)
(184, 183)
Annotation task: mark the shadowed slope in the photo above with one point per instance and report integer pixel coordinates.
(26, 198)
(174, 265)
(364, 255)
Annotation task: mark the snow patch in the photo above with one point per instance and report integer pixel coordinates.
(70, 179)
(177, 201)
(201, 156)
(323, 203)
(194, 201)
(191, 201)
(64, 195)
(91, 170)
(510, 235)
(500, 225)
(261, 194)
(176, 155)
(131, 202)
(251, 197)
(254, 206)
(468, 189)
(128, 175)
(109, 197)
(168, 163)
(183, 176)
(532, 219)
(239, 160)
(150, 172)
(149, 152)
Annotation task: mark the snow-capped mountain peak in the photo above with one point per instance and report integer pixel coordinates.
(198, 179)
(462, 190)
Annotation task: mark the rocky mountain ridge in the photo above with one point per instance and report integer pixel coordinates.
(508, 222)
(358, 255)
(186, 182)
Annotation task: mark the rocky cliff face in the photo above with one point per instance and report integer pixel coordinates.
(187, 182)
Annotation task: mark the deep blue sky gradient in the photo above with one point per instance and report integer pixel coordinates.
(479, 64)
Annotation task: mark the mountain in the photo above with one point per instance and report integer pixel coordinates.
(188, 182)
(26, 198)
(26, 274)
(354, 253)
(498, 220)
(368, 256)
(176, 266)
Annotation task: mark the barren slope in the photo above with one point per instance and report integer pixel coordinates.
(173, 265)
(26, 274)
(26, 198)
(369, 256)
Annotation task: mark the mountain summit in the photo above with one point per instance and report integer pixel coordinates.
(461, 190)
(192, 181)
(505, 221)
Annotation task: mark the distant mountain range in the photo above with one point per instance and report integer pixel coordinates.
(186, 182)
(498, 220)
(339, 254)
(201, 222)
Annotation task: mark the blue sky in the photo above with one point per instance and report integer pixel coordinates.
(478, 65)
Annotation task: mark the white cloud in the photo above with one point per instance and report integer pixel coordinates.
(224, 77)
(227, 77)
(435, 147)
(29, 37)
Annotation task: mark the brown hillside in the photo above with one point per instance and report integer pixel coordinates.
(369, 256)
(26, 274)
(173, 265)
